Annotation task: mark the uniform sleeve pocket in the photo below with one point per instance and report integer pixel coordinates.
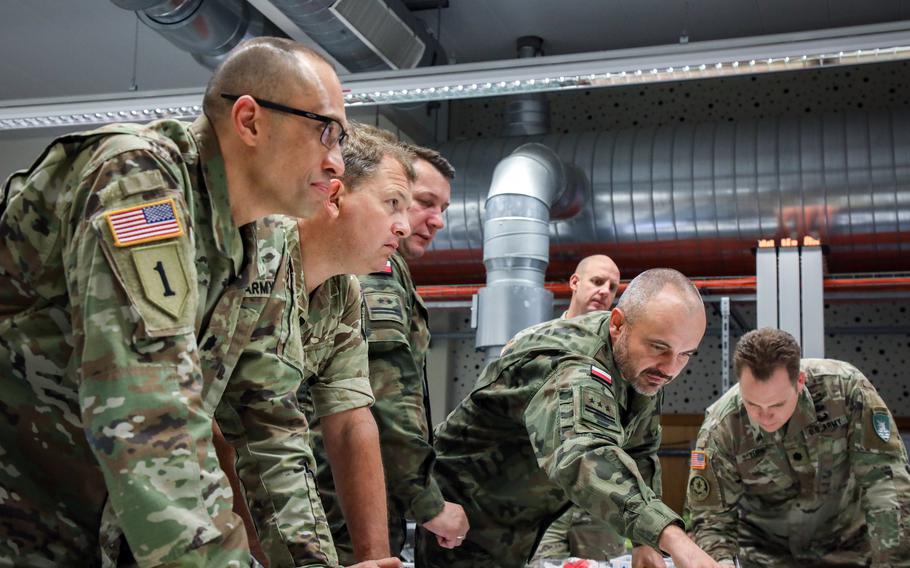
(386, 319)
(158, 275)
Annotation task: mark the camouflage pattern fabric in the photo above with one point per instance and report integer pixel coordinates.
(107, 352)
(577, 534)
(336, 374)
(831, 488)
(549, 424)
(395, 322)
(259, 413)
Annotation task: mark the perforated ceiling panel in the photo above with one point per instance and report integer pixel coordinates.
(867, 87)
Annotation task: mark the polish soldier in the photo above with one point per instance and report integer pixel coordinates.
(570, 414)
(800, 464)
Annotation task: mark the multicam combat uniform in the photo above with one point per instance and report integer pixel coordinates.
(336, 375)
(550, 423)
(831, 488)
(396, 328)
(121, 273)
(294, 339)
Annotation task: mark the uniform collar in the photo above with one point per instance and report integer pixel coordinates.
(804, 415)
(228, 238)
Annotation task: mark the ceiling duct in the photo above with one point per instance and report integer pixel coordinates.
(365, 35)
(698, 197)
(207, 29)
(527, 115)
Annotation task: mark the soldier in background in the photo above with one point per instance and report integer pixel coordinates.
(396, 328)
(124, 255)
(571, 414)
(798, 465)
(358, 227)
(594, 285)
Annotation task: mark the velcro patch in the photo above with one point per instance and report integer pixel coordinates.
(602, 375)
(881, 424)
(144, 223)
(697, 460)
(699, 488)
(596, 412)
(386, 270)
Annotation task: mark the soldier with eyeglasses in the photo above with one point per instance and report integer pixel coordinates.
(125, 253)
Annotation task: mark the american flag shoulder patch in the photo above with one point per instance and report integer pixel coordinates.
(144, 223)
(697, 461)
(599, 373)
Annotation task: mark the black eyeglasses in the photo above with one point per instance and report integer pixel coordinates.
(333, 133)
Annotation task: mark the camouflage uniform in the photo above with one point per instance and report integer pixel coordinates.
(827, 489)
(395, 320)
(336, 374)
(111, 357)
(576, 533)
(294, 339)
(550, 423)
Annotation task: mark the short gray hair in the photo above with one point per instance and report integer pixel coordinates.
(644, 287)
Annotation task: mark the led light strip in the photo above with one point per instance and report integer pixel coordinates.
(633, 75)
(703, 60)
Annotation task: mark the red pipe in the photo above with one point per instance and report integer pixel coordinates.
(744, 285)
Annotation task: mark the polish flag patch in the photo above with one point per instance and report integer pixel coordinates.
(599, 373)
(388, 267)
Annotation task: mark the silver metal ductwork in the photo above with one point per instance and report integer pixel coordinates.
(527, 115)
(698, 197)
(526, 185)
(207, 29)
(362, 35)
(365, 35)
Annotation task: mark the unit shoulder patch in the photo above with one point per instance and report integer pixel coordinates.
(881, 424)
(699, 488)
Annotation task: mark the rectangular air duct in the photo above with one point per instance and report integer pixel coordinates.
(381, 30)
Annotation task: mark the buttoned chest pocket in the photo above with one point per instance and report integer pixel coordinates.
(767, 477)
(386, 317)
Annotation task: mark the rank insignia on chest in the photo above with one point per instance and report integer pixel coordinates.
(144, 223)
(601, 375)
(697, 460)
(881, 423)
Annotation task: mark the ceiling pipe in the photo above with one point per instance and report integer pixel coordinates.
(712, 286)
(697, 197)
(528, 114)
(527, 186)
(206, 29)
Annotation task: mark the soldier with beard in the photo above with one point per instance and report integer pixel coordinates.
(570, 414)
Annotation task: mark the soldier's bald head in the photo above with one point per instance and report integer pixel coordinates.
(266, 67)
(658, 284)
(595, 260)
